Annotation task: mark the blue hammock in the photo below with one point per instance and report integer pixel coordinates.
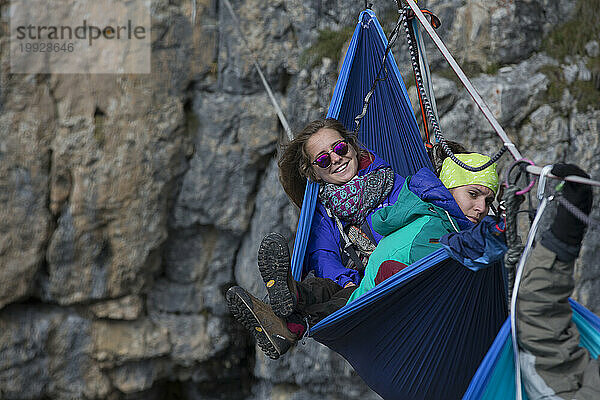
(423, 333)
(436, 305)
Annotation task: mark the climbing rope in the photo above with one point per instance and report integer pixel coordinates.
(513, 300)
(583, 217)
(420, 51)
(512, 202)
(429, 110)
(423, 64)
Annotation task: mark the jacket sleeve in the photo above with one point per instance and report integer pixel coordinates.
(323, 251)
(477, 247)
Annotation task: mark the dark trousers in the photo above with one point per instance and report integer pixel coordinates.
(319, 297)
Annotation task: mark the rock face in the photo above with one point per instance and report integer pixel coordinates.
(498, 31)
(130, 203)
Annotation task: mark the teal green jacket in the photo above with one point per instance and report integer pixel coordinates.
(411, 229)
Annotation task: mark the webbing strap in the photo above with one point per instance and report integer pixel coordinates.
(194, 10)
(534, 169)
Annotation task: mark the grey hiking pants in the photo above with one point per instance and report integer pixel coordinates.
(552, 363)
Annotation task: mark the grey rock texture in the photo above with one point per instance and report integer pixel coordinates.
(487, 32)
(130, 203)
(48, 351)
(232, 145)
(25, 125)
(127, 308)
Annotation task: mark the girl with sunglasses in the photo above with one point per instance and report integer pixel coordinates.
(354, 184)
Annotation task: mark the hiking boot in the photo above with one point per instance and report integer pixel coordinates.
(271, 332)
(276, 271)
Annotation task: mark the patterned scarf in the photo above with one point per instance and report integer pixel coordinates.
(353, 201)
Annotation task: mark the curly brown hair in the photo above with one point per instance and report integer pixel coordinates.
(295, 165)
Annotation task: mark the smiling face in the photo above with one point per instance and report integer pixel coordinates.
(342, 168)
(473, 200)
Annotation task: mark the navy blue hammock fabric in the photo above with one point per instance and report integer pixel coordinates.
(422, 333)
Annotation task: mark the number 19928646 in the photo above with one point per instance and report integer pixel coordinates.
(46, 47)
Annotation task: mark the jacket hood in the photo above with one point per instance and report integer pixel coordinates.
(429, 188)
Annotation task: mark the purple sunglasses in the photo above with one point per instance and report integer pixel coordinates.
(324, 160)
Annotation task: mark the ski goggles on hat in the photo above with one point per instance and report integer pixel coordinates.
(324, 160)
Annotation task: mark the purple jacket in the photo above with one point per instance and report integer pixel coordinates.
(323, 253)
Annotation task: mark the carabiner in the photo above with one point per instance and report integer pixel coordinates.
(542, 181)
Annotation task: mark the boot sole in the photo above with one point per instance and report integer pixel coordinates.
(241, 308)
(273, 263)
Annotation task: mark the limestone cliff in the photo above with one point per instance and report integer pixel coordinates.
(130, 203)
